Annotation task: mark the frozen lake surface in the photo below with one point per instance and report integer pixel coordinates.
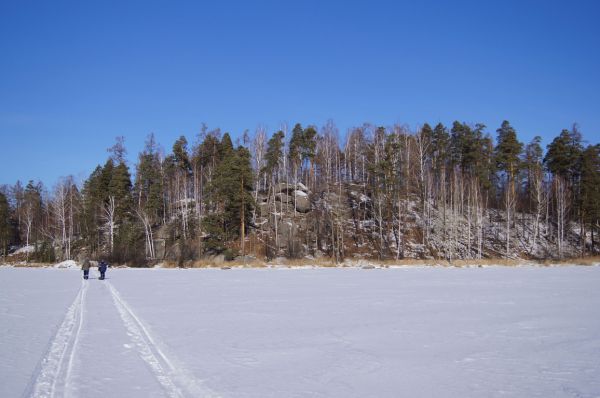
(407, 332)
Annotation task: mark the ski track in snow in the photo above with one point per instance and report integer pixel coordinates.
(174, 378)
(53, 377)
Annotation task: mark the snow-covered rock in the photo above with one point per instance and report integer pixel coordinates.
(25, 249)
(67, 264)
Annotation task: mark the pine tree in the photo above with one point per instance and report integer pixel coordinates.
(537, 198)
(5, 225)
(295, 148)
(563, 154)
(309, 145)
(274, 153)
(508, 151)
(563, 160)
(231, 192)
(32, 207)
(182, 169)
(245, 200)
(532, 163)
(148, 192)
(463, 146)
(590, 192)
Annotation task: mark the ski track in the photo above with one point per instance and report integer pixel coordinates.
(53, 377)
(174, 378)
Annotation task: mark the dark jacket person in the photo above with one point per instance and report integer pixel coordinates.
(102, 268)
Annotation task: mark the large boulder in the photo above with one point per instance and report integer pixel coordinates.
(302, 202)
(284, 198)
(301, 187)
(218, 259)
(283, 187)
(160, 248)
(263, 209)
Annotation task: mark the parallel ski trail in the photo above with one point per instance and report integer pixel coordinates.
(53, 378)
(75, 341)
(175, 379)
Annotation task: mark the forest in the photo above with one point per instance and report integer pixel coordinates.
(382, 193)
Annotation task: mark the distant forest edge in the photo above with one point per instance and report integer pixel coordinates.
(378, 193)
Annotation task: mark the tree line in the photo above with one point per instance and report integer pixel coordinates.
(212, 196)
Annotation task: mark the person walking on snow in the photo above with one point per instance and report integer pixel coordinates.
(102, 268)
(86, 268)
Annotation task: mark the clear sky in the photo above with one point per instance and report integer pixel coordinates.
(74, 75)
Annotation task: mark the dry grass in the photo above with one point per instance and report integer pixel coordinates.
(208, 263)
(408, 262)
(304, 262)
(592, 260)
(507, 262)
(31, 265)
(325, 262)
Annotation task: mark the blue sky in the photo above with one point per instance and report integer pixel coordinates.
(74, 75)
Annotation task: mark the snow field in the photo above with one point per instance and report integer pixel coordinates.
(419, 332)
(54, 375)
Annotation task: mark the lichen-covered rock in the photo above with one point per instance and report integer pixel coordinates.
(302, 204)
(283, 197)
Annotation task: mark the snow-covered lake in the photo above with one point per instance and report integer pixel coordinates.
(409, 332)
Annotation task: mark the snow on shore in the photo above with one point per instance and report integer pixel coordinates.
(67, 264)
(25, 249)
(419, 332)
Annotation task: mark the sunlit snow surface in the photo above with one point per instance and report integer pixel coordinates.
(409, 332)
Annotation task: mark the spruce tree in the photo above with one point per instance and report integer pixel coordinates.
(105, 179)
(149, 187)
(120, 188)
(93, 198)
(225, 147)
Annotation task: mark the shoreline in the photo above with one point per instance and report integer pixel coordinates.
(319, 263)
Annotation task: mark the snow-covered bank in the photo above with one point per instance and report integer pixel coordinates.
(419, 332)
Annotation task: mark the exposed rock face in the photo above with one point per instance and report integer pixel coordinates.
(262, 209)
(344, 221)
(300, 198)
(284, 221)
(283, 197)
(160, 248)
